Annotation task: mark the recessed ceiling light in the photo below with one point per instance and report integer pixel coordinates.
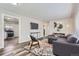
(8, 18)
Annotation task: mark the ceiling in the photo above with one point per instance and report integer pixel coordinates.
(43, 11)
(10, 20)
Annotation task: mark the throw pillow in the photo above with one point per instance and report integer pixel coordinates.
(77, 41)
(72, 39)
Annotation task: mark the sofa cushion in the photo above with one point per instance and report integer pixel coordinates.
(77, 41)
(68, 36)
(71, 39)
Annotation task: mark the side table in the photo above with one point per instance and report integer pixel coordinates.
(51, 39)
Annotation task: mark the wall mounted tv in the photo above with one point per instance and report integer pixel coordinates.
(34, 25)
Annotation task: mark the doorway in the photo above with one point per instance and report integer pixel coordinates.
(10, 32)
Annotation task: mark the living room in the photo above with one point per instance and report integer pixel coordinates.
(43, 21)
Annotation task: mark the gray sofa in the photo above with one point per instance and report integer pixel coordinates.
(63, 48)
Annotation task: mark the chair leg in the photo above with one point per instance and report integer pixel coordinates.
(38, 44)
(31, 45)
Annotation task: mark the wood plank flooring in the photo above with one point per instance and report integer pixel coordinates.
(10, 45)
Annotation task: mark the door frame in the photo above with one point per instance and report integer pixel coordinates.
(19, 29)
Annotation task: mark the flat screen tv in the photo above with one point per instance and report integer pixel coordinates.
(34, 25)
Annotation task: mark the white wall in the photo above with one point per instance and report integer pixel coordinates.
(77, 23)
(68, 26)
(25, 28)
(1, 36)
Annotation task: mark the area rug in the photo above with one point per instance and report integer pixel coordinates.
(42, 51)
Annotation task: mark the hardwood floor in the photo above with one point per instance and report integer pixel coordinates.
(10, 45)
(10, 42)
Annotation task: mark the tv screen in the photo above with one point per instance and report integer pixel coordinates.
(34, 25)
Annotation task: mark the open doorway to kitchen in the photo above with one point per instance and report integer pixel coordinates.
(10, 32)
